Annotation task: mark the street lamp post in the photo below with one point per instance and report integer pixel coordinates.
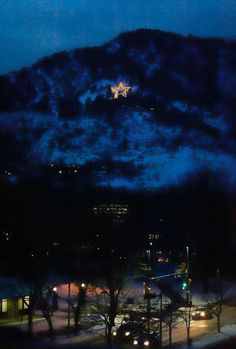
(148, 313)
(186, 287)
(69, 300)
(160, 325)
(148, 295)
(188, 299)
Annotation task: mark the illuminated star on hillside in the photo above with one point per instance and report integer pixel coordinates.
(120, 90)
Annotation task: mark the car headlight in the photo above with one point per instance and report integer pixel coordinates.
(114, 333)
(203, 314)
(135, 342)
(146, 343)
(127, 333)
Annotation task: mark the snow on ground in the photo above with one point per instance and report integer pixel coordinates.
(209, 340)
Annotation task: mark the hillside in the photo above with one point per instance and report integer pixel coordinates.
(177, 120)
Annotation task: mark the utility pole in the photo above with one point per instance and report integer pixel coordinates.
(69, 300)
(188, 299)
(187, 254)
(148, 295)
(188, 324)
(148, 313)
(161, 315)
(170, 327)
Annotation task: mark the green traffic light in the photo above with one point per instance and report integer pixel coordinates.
(186, 284)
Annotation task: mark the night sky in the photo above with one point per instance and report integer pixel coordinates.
(31, 29)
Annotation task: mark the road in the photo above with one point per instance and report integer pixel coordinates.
(201, 327)
(198, 328)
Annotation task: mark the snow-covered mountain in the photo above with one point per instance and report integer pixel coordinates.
(177, 120)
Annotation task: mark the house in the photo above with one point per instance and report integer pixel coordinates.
(13, 299)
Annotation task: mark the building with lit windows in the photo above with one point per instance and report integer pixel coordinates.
(116, 211)
(13, 308)
(13, 305)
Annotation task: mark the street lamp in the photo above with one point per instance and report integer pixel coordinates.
(186, 287)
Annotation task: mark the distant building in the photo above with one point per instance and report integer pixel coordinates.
(14, 307)
(116, 211)
(153, 236)
(14, 301)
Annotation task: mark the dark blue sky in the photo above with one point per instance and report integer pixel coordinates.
(30, 29)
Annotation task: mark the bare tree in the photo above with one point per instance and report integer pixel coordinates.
(108, 292)
(77, 307)
(216, 307)
(38, 296)
(29, 302)
(216, 299)
(44, 301)
(174, 319)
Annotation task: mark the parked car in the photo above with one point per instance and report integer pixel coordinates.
(202, 313)
(147, 341)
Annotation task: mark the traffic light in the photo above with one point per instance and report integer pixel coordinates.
(147, 291)
(183, 268)
(186, 284)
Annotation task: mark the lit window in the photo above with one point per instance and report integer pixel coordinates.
(23, 303)
(4, 305)
(26, 302)
(20, 303)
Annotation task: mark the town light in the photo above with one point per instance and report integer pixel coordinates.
(146, 343)
(127, 333)
(135, 342)
(54, 289)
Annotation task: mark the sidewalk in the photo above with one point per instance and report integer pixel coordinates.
(207, 341)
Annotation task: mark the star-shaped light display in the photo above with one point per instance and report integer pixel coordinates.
(120, 90)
